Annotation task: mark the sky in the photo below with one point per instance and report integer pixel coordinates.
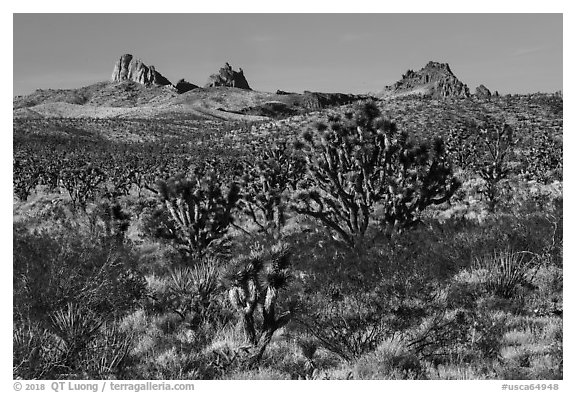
(349, 53)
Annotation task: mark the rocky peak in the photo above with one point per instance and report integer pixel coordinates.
(229, 78)
(483, 92)
(435, 80)
(128, 68)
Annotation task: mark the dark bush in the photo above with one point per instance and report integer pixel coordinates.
(56, 268)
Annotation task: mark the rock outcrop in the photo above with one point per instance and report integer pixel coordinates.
(128, 68)
(435, 80)
(183, 86)
(483, 92)
(227, 77)
(317, 101)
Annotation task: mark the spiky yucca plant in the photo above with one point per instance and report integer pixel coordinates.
(506, 271)
(36, 352)
(191, 289)
(77, 327)
(109, 351)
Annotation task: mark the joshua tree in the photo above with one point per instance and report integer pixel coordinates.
(254, 281)
(543, 159)
(82, 181)
(27, 173)
(493, 162)
(199, 209)
(362, 160)
(485, 149)
(269, 177)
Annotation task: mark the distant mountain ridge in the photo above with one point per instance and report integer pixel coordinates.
(129, 99)
(136, 89)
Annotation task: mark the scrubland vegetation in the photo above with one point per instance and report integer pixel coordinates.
(333, 245)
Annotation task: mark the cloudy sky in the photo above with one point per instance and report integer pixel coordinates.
(357, 53)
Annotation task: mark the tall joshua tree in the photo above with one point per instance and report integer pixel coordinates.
(254, 283)
(199, 208)
(360, 160)
(272, 174)
(493, 159)
(486, 149)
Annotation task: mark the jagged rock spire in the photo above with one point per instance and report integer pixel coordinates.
(229, 78)
(128, 68)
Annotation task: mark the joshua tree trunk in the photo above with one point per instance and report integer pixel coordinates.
(270, 325)
(248, 327)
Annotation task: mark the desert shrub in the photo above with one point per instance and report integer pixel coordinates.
(110, 218)
(344, 324)
(284, 355)
(173, 363)
(534, 349)
(76, 326)
(543, 159)
(539, 233)
(77, 343)
(56, 268)
(192, 293)
(504, 273)
(191, 289)
(36, 352)
(361, 160)
(547, 297)
(410, 263)
(165, 347)
(257, 374)
(391, 360)
(199, 211)
(108, 354)
(457, 336)
(70, 285)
